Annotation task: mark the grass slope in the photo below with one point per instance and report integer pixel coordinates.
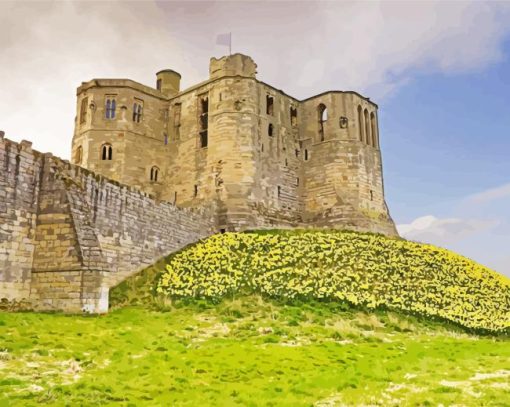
(366, 270)
(247, 352)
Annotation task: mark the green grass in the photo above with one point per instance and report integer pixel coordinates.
(248, 352)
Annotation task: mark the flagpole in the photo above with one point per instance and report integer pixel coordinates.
(230, 44)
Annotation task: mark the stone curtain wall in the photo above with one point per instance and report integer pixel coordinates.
(20, 172)
(68, 235)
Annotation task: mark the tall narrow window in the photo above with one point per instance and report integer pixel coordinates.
(110, 108)
(154, 174)
(177, 121)
(83, 110)
(158, 84)
(293, 116)
(204, 121)
(269, 105)
(78, 155)
(279, 191)
(137, 111)
(195, 191)
(270, 130)
(306, 155)
(106, 152)
(373, 126)
(322, 111)
(165, 136)
(360, 124)
(367, 127)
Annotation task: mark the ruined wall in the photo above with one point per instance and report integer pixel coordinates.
(19, 189)
(68, 235)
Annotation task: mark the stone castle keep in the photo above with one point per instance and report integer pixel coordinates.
(154, 169)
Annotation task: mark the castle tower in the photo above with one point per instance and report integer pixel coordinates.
(343, 171)
(121, 130)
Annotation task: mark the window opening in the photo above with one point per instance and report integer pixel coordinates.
(106, 152)
(83, 110)
(111, 105)
(323, 117)
(79, 154)
(154, 173)
(204, 121)
(293, 116)
(374, 129)
(367, 128)
(360, 124)
(137, 111)
(269, 105)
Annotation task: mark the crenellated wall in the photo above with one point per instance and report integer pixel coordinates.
(67, 235)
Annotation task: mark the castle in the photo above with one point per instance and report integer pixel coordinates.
(154, 169)
(264, 158)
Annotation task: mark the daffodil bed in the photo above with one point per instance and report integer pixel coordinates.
(366, 270)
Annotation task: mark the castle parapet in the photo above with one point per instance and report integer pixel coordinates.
(232, 65)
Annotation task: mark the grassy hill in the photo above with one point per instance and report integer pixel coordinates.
(275, 319)
(360, 269)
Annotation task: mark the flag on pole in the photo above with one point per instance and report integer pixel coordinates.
(225, 39)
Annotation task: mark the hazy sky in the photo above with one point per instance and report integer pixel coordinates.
(440, 72)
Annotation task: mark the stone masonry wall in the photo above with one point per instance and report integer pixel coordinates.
(67, 235)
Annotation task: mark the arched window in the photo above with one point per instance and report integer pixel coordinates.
(367, 127)
(269, 105)
(154, 174)
(322, 111)
(78, 155)
(106, 152)
(360, 124)
(373, 126)
(270, 130)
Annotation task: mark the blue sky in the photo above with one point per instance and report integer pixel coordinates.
(439, 71)
(446, 148)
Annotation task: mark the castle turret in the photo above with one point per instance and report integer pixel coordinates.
(232, 65)
(168, 82)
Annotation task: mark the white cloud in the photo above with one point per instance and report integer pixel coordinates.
(489, 195)
(479, 229)
(49, 48)
(443, 232)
